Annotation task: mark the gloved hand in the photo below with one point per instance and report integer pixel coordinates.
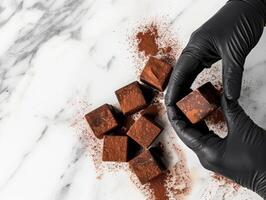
(229, 35)
(240, 156)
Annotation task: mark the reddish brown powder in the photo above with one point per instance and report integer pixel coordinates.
(153, 38)
(157, 185)
(175, 183)
(94, 145)
(147, 41)
(226, 181)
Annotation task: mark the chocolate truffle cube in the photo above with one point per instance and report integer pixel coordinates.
(200, 103)
(115, 148)
(131, 98)
(152, 111)
(101, 120)
(144, 131)
(156, 73)
(125, 122)
(146, 167)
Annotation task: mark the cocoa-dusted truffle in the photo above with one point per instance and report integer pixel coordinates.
(115, 148)
(200, 103)
(152, 111)
(101, 120)
(156, 73)
(146, 167)
(144, 131)
(131, 98)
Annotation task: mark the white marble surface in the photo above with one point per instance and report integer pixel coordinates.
(54, 52)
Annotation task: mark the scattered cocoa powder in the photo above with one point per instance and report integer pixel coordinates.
(175, 183)
(147, 41)
(157, 185)
(94, 145)
(153, 38)
(224, 180)
(178, 182)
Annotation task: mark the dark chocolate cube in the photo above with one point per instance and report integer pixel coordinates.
(156, 73)
(101, 120)
(131, 98)
(152, 111)
(200, 103)
(125, 122)
(146, 167)
(115, 148)
(144, 131)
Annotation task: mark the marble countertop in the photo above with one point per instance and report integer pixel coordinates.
(55, 54)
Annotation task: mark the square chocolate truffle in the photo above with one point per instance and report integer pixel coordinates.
(131, 98)
(152, 111)
(115, 148)
(101, 120)
(156, 73)
(144, 131)
(125, 122)
(200, 103)
(145, 166)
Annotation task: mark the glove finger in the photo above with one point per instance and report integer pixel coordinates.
(200, 142)
(235, 116)
(232, 77)
(183, 75)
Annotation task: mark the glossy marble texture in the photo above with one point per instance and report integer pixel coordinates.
(54, 53)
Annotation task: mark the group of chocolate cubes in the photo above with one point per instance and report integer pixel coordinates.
(119, 134)
(119, 139)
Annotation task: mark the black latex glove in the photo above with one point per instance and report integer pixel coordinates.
(229, 35)
(240, 156)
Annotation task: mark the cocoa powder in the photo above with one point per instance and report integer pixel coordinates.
(147, 41)
(157, 185)
(220, 178)
(153, 38)
(175, 183)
